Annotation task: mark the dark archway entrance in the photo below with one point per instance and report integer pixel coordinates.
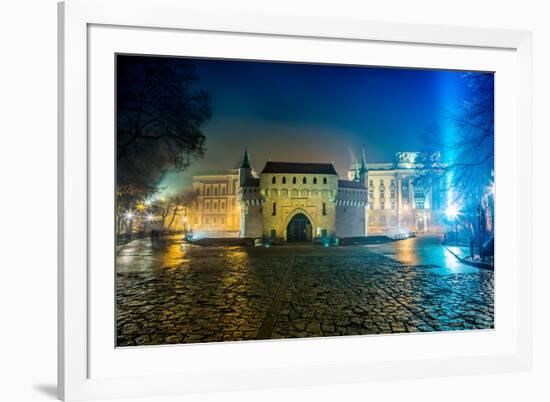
(299, 228)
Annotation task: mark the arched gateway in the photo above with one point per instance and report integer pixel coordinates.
(299, 228)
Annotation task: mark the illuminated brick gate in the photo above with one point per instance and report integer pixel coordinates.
(299, 228)
(376, 198)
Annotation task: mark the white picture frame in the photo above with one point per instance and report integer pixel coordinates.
(324, 360)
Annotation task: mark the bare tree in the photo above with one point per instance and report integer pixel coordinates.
(160, 115)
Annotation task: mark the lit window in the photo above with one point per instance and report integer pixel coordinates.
(383, 220)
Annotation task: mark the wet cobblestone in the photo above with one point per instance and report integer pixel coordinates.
(175, 293)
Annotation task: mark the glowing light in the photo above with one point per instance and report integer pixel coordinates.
(129, 215)
(150, 218)
(452, 212)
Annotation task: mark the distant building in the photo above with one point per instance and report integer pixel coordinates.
(297, 201)
(290, 201)
(215, 211)
(398, 202)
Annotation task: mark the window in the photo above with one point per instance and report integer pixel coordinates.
(382, 206)
(214, 220)
(392, 194)
(383, 220)
(223, 190)
(207, 205)
(215, 190)
(274, 211)
(324, 180)
(284, 180)
(393, 221)
(273, 234)
(372, 220)
(222, 220)
(371, 182)
(393, 205)
(315, 180)
(324, 233)
(393, 182)
(233, 202)
(198, 191)
(294, 180)
(304, 180)
(206, 220)
(214, 205)
(371, 205)
(324, 208)
(419, 204)
(273, 180)
(222, 205)
(381, 183)
(208, 191)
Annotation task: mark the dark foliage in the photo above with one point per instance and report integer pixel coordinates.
(160, 115)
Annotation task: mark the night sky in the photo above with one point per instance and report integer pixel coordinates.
(319, 113)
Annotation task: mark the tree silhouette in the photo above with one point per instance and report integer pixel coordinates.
(160, 115)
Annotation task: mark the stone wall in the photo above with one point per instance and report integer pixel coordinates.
(285, 200)
(350, 221)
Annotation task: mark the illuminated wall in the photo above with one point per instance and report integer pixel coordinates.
(216, 210)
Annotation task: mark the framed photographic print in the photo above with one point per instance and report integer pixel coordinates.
(262, 201)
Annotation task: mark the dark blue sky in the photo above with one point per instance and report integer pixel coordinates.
(321, 113)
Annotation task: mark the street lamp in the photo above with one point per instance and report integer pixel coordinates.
(452, 214)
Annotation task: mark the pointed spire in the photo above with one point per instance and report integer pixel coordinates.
(246, 159)
(363, 161)
(356, 173)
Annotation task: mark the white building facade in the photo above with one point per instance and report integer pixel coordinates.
(398, 201)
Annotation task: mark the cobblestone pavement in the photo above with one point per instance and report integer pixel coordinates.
(171, 292)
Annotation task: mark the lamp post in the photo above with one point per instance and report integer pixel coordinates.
(452, 215)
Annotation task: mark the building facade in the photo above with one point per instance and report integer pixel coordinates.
(287, 201)
(215, 211)
(398, 201)
(295, 201)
